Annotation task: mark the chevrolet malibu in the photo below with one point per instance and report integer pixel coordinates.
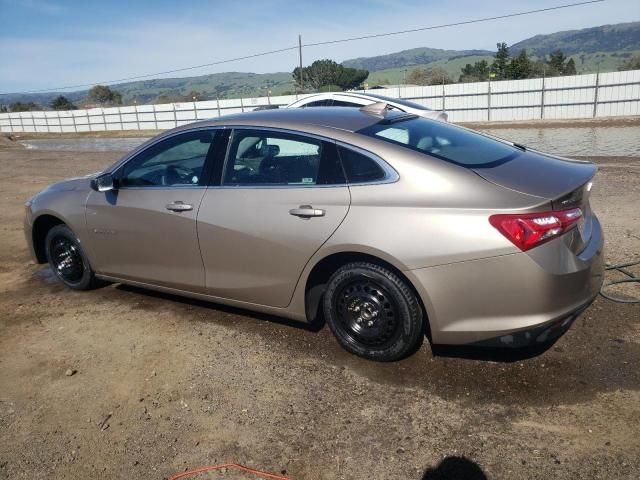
(386, 225)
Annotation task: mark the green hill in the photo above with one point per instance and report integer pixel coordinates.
(405, 58)
(621, 37)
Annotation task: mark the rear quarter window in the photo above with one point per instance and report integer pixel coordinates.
(444, 141)
(359, 168)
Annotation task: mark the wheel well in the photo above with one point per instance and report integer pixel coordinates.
(320, 274)
(41, 227)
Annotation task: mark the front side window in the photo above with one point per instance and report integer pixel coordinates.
(177, 161)
(445, 141)
(258, 157)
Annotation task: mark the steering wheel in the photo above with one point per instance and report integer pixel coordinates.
(175, 175)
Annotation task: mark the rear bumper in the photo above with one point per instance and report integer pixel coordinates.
(512, 300)
(535, 336)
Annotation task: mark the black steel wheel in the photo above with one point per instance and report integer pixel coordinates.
(67, 260)
(373, 312)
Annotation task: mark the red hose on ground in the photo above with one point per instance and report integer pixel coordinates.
(229, 465)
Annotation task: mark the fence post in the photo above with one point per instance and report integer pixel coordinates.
(104, 119)
(489, 101)
(241, 105)
(155, 119)
(10, 123)
(120, 118)
(88, 119)
(595, 95)
(46, 120)
(135, 107)
(21, 123)
(73, 120)
(443, 95)
(195, 111)
(218, 105)
(175, 117)
(542, 97)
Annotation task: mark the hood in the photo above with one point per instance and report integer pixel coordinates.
(538, 174)
(76, 183)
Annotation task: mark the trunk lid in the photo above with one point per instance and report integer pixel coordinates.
(541, 175)
(566, 183)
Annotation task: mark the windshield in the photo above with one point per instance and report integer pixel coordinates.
(444, 141)
(399, 101)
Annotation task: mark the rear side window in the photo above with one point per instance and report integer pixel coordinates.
(260, 157)
(318, 103)
(342, 103)
(445, 141)
(359, 168)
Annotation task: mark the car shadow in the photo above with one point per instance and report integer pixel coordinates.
(315, 326)
(468, 352)
(455, 468)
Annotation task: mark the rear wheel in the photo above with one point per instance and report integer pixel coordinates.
(373, 312)
(67, 260)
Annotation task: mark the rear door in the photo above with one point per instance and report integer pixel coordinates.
(281, 196)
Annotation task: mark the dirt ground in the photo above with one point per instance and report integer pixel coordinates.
(163, 384)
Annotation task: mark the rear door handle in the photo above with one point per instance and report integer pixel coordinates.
(179, 206)
(306, 211)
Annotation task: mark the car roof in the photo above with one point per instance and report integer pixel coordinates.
(304, 119)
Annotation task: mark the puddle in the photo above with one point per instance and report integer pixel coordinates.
(567, 141)
(575, 141)
(46, 276)
(85, 144)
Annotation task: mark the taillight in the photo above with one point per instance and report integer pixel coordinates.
(529, 230)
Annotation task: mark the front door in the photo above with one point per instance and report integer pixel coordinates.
(145, 230)
(281, 197)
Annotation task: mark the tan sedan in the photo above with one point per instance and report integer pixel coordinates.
(386, 225)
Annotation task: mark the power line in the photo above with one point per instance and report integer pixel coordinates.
(315, 44)
(446, 25)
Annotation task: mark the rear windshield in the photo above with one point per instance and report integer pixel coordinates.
(445, 141)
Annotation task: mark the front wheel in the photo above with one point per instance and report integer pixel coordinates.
(373, 312)
(67, 260)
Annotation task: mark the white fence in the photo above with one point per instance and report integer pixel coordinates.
(578, 96)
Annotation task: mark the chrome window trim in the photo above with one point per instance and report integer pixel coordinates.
(391, 175)
(143, 148)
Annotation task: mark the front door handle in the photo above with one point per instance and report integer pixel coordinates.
(179, 206)
(306, 211)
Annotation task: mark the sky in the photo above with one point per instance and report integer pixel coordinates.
(46, 44)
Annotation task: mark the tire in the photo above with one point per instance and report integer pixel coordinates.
(67, 259)
(373, 312)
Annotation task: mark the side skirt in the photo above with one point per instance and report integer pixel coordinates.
(282, 312)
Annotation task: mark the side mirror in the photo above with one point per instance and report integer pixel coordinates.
(103, 183)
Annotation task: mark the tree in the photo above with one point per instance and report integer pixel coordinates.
(62, 103)
(327, 72)
(570, 68)
(500, 65)
(555, 64)
(520, 67)
(478, 72)
(3, 109)
(103, 95)
(24, 107)
(428, 76)
(631, 64)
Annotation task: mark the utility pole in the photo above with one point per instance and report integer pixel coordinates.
(300, 54)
